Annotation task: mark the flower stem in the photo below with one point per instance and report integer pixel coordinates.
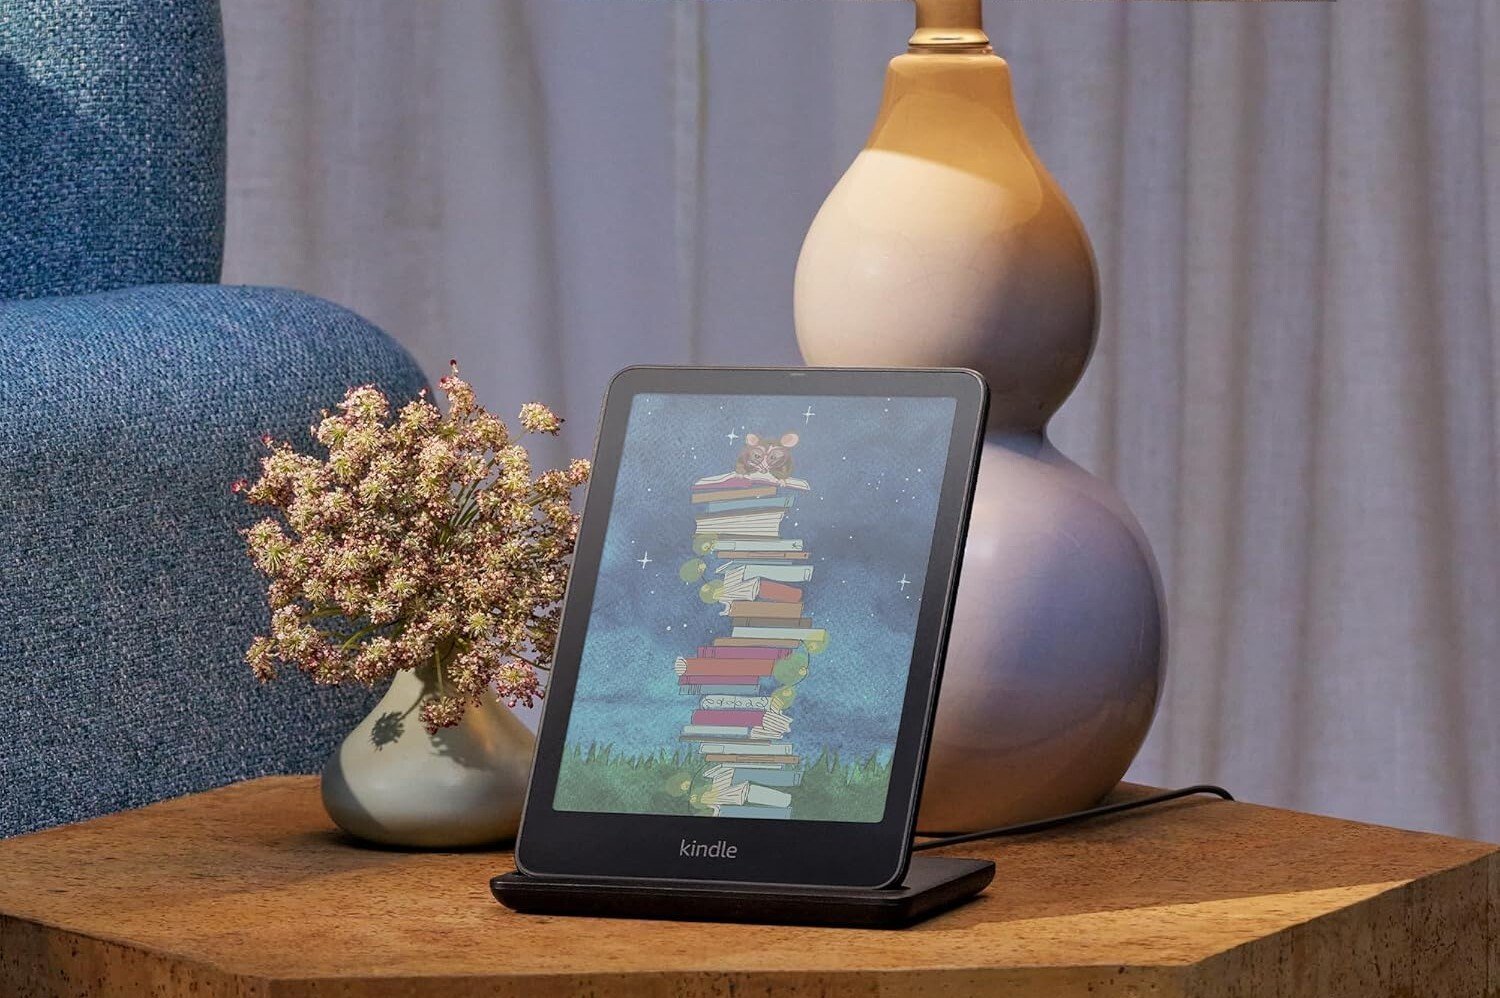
(349, 642)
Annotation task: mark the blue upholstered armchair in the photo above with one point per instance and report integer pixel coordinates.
(132, 393)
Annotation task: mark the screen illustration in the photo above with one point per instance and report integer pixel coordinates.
(756, 607)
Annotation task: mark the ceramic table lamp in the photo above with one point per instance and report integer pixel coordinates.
(948, 244)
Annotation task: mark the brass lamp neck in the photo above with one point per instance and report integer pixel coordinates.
(950, 26)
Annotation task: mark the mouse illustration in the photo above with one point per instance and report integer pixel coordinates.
(767, 454)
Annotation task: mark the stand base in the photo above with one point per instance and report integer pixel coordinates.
(932, 884)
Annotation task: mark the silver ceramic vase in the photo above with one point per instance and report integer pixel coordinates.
(947, 243)
(391, 782)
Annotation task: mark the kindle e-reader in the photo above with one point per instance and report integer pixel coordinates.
(748, 659)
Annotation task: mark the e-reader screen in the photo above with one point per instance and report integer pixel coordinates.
(756, 604)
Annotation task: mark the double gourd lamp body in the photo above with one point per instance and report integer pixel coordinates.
(947, 243)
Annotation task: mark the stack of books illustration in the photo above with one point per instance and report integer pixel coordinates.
(745, 680)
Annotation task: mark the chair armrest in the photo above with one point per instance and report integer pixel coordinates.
(126, 598)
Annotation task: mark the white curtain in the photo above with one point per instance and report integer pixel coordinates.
(1296, 208)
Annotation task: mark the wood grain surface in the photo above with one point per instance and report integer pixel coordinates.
(250, 891)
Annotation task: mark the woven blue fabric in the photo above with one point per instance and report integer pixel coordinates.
(111, 144)
(126, 598)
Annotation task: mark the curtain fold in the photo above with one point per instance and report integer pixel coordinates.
(1296, 210)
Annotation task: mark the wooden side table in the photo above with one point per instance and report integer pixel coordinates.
(250, 891)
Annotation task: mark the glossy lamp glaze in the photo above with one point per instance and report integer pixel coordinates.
(947, 243)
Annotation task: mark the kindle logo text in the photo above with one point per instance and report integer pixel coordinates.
(707, 850)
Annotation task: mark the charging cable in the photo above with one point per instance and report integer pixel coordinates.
(939, 840)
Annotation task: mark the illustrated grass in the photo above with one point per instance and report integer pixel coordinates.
(600, 779)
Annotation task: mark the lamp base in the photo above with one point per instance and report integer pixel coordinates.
(948, 244)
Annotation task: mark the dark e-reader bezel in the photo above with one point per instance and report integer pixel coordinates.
(574, 844)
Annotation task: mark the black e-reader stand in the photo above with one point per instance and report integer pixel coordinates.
(933, 884)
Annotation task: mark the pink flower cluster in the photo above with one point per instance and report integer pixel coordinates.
(420, 541)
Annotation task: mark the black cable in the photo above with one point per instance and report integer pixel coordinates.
(941, 839)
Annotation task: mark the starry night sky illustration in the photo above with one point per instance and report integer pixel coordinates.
(875, 470)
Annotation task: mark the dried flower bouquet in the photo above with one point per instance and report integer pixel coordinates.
(420, 540)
